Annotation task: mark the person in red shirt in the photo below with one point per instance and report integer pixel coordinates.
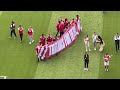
(106, 61)
(77, 18)
(49, 39)
(73, 22)
(61, 28)
(31, 33)
(66, 23)
(58, 27)
(20, 29)
(43, 39)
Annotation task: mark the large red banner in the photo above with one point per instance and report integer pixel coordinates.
(47, 51)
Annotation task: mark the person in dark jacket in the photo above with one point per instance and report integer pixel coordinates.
(86, 61)
(12, 29)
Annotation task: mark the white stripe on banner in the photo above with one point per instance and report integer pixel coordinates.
(67, 39)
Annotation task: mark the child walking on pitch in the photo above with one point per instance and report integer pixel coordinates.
(106, 61)
(20, 29)
(31, 33)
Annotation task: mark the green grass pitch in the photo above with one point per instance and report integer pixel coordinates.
(18, 60)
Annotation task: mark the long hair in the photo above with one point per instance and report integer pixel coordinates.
(101, 41)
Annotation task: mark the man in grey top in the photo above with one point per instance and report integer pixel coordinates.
(117, 38)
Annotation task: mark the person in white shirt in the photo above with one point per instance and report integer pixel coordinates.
(87, 43)
(94, 36)
(117, 39)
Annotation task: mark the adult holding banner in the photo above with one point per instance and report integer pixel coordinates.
(61, 28)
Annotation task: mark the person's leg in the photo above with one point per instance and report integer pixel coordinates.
(11, 33)
(105, 68)
(21, 37)
(94, 45)
(89, 46)
(86, 47)
(87, 64)
(14, 33)
(30, 40)
(105, 65)
(60, 34)
(116, 45)
(57, 33)
(84, 65)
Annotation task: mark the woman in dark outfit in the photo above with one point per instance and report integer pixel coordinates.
(86, 61)
(12, 29)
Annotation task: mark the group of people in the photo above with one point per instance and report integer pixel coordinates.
(21, 32)
(96, 39)
(106, 59)
(63, 25)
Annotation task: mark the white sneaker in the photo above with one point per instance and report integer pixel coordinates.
(84, 69)
(94, 48)
(107, 70)
(30, 43)
(89, 50)
(86, 50)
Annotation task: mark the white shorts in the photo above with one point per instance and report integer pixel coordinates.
(106, 63)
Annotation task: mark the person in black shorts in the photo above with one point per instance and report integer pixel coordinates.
(86, 61)
(12, 29)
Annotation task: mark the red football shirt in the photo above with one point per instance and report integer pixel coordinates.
(77, 18)
(20, 30)
(30, 31)
(107, 58)
(42, 39)
(49, 39)
(62, 27)
(66, 24)
(58, 27)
